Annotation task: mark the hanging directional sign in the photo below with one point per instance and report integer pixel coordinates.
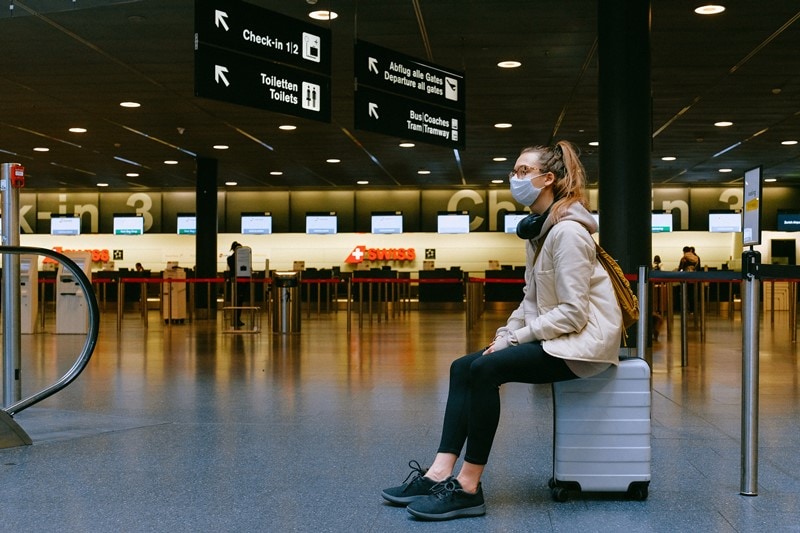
(248, 55)
(243, 80)
(400, 95)
(383, 112)
(385, 69)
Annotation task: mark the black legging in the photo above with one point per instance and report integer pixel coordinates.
(473, 401)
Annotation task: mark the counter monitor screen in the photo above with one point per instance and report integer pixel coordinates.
(661, 223)
(724, 221)
(788, 220)
(187, 224)
(511, 220)
(452, 222)
(65, 224)
(256, 223)
(321, 223)
(384, 222)
(128, 224)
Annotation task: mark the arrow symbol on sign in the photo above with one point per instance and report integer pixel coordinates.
(373, 64)
(373, 110)
(219, 74)
(219, 18)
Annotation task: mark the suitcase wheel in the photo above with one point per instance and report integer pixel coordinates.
(559, 494)
(638, 490)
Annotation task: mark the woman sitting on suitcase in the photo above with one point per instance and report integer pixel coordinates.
(568, 326)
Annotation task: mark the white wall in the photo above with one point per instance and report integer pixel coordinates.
(471, 252)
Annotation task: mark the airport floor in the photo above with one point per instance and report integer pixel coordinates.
(185, 428)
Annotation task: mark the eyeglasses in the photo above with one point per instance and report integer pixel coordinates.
(523, 170)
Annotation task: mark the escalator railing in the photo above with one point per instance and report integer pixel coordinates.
(10, 432)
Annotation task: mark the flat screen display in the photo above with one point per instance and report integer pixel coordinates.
(256, 223)
(65, 224)
(447, 222)
(788, 220)
(661, 223)
(384, 222)
(511, 219)
(321, 223)
(187, 224)
(128, 224)
(724, 221)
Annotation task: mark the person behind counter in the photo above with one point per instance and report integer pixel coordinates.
(567, 326)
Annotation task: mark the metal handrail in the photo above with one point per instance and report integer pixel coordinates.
(91, 335)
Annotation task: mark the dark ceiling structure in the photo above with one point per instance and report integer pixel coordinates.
(68, 64)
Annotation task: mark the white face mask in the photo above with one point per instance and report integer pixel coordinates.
(524, 191)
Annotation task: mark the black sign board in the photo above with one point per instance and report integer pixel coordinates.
(400, 95)
(250, 29)
(398, 73)
(244, 80)
(409, 119)
(251, 56)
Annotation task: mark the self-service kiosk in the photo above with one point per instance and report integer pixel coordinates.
(72, 310)
(244, 261)
(28, 293)
(173, 294)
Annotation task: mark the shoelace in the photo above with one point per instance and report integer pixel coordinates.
(445, 489)
(416, 470)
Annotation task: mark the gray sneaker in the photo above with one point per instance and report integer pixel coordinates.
(414, 487)
(448, 500)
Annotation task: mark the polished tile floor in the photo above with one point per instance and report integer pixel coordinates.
(185, 428)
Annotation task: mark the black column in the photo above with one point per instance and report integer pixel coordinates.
(625, 130)
(625, 188)
(206, 236)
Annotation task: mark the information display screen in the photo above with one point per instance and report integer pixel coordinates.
(384, 222)
(321, 223)
(452, 222)
(256, 223)
(661, 223)
(65, 224)
(788, 220)
(187, 224)
(511, 219)
(724, 221)
(128, 224)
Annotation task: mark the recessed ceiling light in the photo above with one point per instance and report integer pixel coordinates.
(668, 158)
(423, 172)
(287, 127)
(723, 123)
(130, 104)
(276, 173)
(231, 183)
(498, 181)
(170, 162)
(333, 160)
(499, 159)
(710, 9)
(509, 64)
(406, 145)
(221, 147)
(726, 170)
(102, 184)
(41, 149)
(78, 130)
(362, 182)
(594, 143)
(788, 143)
(132, 174)
(770, 180)
(502, 125)
(323, 15)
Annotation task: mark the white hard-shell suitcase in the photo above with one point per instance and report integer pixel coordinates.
(601, 439)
